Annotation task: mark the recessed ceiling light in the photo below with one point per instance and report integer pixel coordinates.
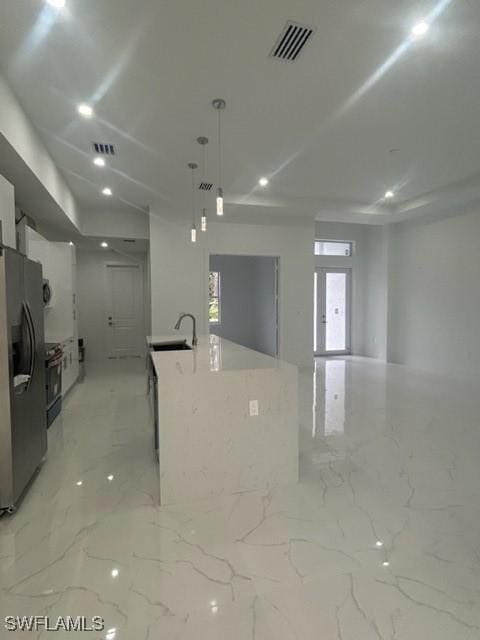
(389, 194)
(110, 478)
(107, 191)
(58, 4)
(85, 110)
(71, 243)
(79, 483)
(386, 563)
(100, 162)
(115, 573)
(379, 544)
(104, 245)
(420, 29)
(263, 182)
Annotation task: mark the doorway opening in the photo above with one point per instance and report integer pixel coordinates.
(243, 301)
(332, 311)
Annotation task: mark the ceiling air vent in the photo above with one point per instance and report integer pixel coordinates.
(291, 41)
(206, 186)
(129, 240)
(103, 148)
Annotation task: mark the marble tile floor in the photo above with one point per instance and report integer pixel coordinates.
(380, 539)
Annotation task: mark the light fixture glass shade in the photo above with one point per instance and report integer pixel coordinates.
(193, 233)
(220, 202)
(204, 220)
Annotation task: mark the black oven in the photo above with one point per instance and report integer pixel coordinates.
(53, 370)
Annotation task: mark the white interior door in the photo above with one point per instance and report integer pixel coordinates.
(332, 311)
(124, 319)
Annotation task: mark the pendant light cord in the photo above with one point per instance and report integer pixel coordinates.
(193, 196)
(203, 173)
(219, 149)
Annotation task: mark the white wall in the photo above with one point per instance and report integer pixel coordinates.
(148, 292)
(248, 305)
(21, 135)
(7, 213)
(115, 224)
(434, 294)
(179, 275)
(376, 292)
(91, 301)
(237, 299)
(416, 291)
(265, 306)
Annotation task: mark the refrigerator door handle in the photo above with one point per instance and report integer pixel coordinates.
(32, 339)
(21, 382)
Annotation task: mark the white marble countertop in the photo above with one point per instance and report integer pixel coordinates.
(212, 355)
(227, 419)
(177, 337)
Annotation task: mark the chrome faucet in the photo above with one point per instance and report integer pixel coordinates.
(179, 322)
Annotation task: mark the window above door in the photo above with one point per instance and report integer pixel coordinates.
(333, 248)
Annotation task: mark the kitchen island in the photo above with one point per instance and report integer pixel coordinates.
(227, 419)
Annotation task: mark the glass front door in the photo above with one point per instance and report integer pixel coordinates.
(331, 311)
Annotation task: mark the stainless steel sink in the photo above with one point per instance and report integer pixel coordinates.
(178, 345)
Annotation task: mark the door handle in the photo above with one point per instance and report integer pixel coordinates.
(32, 341)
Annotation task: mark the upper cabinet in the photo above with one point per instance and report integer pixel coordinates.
(58, 260)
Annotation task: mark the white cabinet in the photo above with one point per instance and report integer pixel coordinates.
(58, 261)
(70, 366)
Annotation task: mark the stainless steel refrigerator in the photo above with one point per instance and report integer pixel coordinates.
(23, 429)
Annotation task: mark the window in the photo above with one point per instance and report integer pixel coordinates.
(332, 248)
(214, 297)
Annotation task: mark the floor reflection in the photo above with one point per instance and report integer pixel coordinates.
(334, 410)
(328, 397)
(379, 539)
(215, 354)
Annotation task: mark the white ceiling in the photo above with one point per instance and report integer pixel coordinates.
(117, 245)
(322, 128)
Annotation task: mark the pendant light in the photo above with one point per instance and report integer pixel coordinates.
(203, 141)
(193, 231)
(219, 104)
